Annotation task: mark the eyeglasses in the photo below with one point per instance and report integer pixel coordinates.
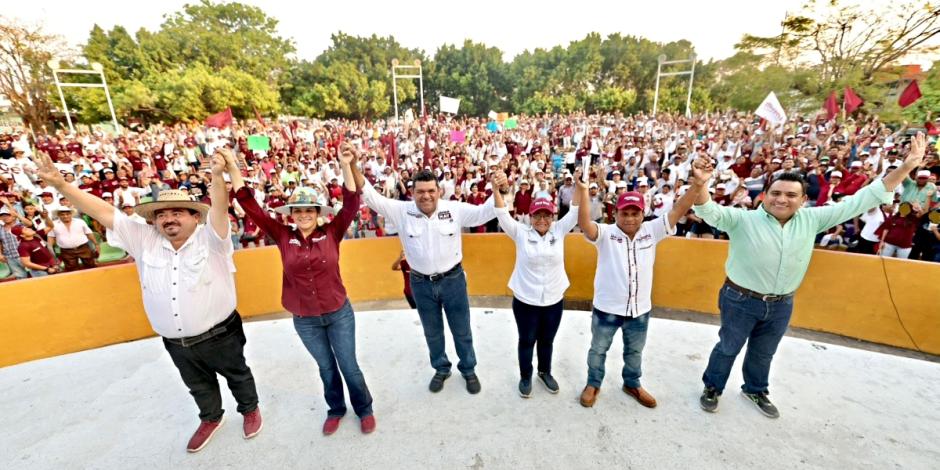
(542, 216)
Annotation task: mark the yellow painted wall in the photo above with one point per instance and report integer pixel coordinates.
(846, 294)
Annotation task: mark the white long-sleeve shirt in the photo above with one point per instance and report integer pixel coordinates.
(432, 243)
(538, 277)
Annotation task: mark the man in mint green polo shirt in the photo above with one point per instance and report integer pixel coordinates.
(768, 254)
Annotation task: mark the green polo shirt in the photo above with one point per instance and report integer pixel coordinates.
(770, 258)
(912, 193)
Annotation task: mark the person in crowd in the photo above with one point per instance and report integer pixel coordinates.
(184, 259)
(770, 249)
(312, 288)
(897, 231)
(74, 239)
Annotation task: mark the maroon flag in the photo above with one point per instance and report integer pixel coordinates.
(851, 100)
(220, 120)
(931, 129)
(427, 148)
(909, 95)
(393, 155)
(258, 117)
(831, 106)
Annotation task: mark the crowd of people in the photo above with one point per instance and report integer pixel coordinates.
(539, 156)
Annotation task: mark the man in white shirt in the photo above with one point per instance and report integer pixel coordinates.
(429, 230)
(185, 270)
(623, 284)
(73, 236)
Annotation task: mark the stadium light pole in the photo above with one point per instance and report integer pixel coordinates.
(96, 69)
(409, 72)
(660, 62)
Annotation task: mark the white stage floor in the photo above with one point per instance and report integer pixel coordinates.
(125, 406)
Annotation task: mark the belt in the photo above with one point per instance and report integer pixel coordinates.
(436, 276)
(216, 330)
(757, 295)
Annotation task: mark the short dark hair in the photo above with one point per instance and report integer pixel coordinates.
(789, 176)
(424, 175)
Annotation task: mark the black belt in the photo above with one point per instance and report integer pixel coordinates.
(436, 276)
(757, 295)
(216, 330)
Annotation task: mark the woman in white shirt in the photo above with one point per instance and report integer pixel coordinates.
(538, 281)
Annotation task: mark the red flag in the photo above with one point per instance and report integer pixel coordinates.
(427, 149)
(220, 120)
(831, 106)
(931, 129)
(258, 117)
(393, 158)
(909, 95)
(851, 100)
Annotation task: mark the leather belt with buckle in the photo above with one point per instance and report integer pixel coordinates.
(212, 333)
(436, 276)
(757, 295)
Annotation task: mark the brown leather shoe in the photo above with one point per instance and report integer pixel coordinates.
(641, 396)
(589, 396)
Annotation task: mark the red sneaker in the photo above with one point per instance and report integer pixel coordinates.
(331, 425)
(367, 424)
(203, 434)
(253, 423)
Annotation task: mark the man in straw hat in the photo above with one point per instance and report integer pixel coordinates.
(184, 259)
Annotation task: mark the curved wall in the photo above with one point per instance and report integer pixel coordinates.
(843, 293)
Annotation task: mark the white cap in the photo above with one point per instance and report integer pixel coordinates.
(642, 182)
(835, 174)
(106, 194)
(776, 160)
(616, 172)
(622, 184)
(524, 182)
(856, 163)
(593, 186)
(721, 186)
(923, 174)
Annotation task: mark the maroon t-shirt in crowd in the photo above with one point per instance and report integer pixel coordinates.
(311, 282)
(37, 251)
(57, 153)
(523, 201)
(900, 230)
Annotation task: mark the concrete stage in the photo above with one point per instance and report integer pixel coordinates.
(124, 406)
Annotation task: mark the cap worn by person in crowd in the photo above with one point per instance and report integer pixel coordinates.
(5, 211)
(631, 199)
(923, 174)
(107, 194)
(621, 184)
(835, 174)
(856, 164)
(171, 199)
(542, 204)
(46, 194)
(17, 231)
(593, 186)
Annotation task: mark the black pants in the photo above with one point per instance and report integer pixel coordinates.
(864, 246)
(536, 325)
(223, 354)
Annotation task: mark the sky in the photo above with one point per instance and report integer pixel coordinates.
(513, 26)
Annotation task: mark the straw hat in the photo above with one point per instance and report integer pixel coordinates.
(305, 197)
(171, 199)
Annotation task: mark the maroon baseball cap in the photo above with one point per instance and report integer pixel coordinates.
(542, 204)
(631, 199)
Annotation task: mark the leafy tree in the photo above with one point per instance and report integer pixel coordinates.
(474, 73)
(24, 75)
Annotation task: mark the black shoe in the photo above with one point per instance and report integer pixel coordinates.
(473, 384)
(525, 388)
(437, 382)
(549, 382)
(709, 399)
(762, 403)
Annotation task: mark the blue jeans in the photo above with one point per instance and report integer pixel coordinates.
(603, 327)
(331, 340)
(16, 266)
(450, 294)
(35, 273)
(747, 319)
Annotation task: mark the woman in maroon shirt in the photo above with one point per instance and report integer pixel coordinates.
(313, 289)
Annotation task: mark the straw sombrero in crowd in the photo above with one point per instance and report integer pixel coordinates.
(305, 197)
(171, 199)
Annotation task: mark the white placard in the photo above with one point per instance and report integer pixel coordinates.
(449, 105)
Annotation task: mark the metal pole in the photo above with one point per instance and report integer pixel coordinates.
(68, 118)
(421, 86)
(110, 104)
(688, 99)
(395, 91)
(659, 68)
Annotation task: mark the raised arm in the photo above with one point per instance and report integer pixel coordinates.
(246, 199)
(507, 223)
(698, 181)
(89, 204)
(218, 211)
(588, 227)
(914, 160)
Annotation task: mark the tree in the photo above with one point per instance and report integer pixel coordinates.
(836, 39)
(474, 73)
(24, 75)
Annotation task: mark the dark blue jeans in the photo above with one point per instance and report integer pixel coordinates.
(331, 340)
(747, 319)
(603, 327)
(450, 294)
(536, 325)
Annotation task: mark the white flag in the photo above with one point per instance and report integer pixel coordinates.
(492, 115)
(449, 105)
(771, 110)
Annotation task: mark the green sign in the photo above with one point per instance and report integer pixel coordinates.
(259, 142)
